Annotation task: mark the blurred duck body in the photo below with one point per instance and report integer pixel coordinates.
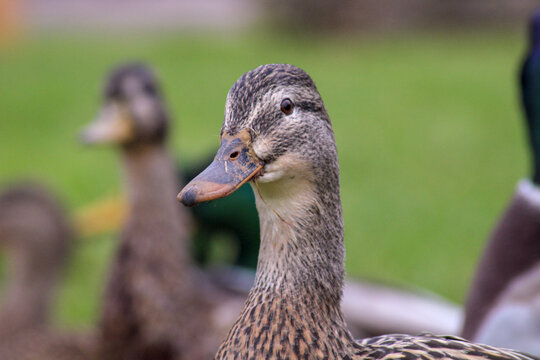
(157, 305)
(277, 134)
(503, 305)
(36, 236)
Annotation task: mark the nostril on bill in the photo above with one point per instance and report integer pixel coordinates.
(234, 155)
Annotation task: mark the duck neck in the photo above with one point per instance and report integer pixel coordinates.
(152, 184)
(149, 177)
(301, 253)
(294, 305)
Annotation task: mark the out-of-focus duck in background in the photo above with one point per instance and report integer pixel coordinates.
(36, 236)
(503, 305)
(157, 304)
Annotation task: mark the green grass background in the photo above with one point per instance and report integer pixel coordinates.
(428, 127)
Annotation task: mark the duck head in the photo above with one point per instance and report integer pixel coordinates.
(276, 131)
(132, 110)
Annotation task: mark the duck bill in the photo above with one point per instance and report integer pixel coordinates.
(111, 126)
(234, 165)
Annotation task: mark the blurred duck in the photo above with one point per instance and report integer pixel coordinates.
(277, 135)
(503, 305)
(35, 234)
(157, 305)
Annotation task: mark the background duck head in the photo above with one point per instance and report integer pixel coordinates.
(132, 111)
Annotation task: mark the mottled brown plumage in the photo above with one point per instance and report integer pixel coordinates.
(157, 305)
(36, 236)
(293, 310)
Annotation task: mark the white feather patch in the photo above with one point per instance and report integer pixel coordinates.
(529, 191)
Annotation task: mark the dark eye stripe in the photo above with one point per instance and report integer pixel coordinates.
(309, 106)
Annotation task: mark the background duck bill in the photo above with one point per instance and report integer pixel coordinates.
(111, 126)
(221, 178)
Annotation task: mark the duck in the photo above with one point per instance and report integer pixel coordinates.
(36, 235)
(157, 304)
(277, 135)
(503, 303)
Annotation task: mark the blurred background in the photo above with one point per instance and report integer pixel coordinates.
(422, 95)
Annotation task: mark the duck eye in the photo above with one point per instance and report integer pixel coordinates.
(287, 106)
(234, 155)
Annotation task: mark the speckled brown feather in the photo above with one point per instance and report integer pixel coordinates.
(428, 346)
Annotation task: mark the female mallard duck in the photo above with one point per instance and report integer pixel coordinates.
(156, 305)
(277, 134)
(36, 235)
(503, 305)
